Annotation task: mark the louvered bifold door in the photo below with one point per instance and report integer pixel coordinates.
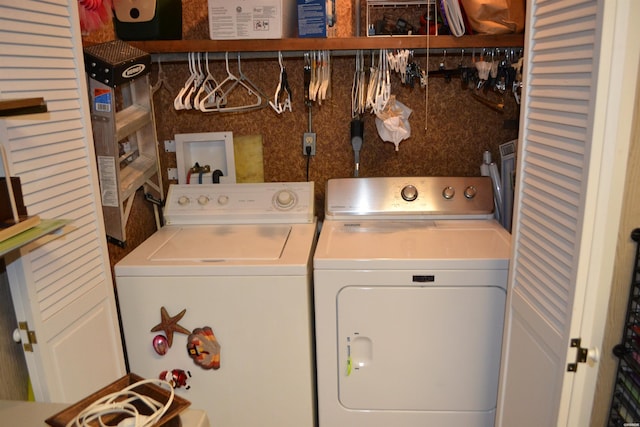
(63, 288)
(560, 62)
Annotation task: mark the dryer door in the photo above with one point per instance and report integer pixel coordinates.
(419, 349)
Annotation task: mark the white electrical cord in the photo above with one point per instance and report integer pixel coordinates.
(425, 77)
(121, 402)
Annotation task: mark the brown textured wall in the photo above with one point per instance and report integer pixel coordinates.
(459, 128)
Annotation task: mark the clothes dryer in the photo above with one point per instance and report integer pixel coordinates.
(410, 284)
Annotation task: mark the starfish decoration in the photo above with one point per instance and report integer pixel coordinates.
(170, 325)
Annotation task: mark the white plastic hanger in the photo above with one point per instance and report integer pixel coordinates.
(358, 88)
(374, 81)
(189, 98)
(207, 87)
(315, 84)
(231, 82)
(178, 102)
(383, 91)
(326, 75)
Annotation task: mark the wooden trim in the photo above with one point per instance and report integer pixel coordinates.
(349, 43)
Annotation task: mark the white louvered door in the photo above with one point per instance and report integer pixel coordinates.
(571, 162)
(63, 289)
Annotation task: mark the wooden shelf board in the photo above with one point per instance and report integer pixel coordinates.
(43, 228)
(25, 223)
(347, 43)
(17, 107)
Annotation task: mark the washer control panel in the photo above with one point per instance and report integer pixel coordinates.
(277, 202)
(464, 197)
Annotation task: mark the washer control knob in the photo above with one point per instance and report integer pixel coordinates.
(223, 200)
(183, 200)
(284, 199)
(203, 200)
(470, 192)
(448, 192)
(409, 193)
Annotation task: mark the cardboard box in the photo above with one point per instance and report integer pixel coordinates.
(252, 19)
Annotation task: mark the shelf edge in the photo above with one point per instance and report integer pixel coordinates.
(349, 43)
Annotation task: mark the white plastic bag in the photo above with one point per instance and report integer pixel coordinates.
(393, 122)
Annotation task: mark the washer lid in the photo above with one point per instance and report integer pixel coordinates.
(224, 243)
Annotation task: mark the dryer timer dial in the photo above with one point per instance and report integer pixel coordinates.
(409, 193)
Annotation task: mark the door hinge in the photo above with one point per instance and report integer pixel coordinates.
(31, 335)
(581, 355)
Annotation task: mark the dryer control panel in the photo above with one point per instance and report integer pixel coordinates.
(256, 203)
(410, 197)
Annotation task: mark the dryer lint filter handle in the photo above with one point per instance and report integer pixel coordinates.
(359, 352)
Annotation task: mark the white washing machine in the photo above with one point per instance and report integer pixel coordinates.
(410, 280)
(220, 299)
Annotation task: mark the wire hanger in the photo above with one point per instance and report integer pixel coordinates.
(162, 81)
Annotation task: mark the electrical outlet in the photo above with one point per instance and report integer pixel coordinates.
(309, 140)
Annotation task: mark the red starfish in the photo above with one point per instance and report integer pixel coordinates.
(170, 325)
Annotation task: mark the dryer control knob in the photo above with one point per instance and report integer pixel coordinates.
(448, 192)
(470, 192)
(409, 193)
(203, 200)
(183, 200)
(284, 199)
(223, 200)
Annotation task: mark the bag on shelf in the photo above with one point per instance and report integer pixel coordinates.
(495, 16)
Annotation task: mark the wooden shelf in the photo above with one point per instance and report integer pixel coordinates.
(17, 107)
(43, 228)
(350, 43)
(26, 222)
